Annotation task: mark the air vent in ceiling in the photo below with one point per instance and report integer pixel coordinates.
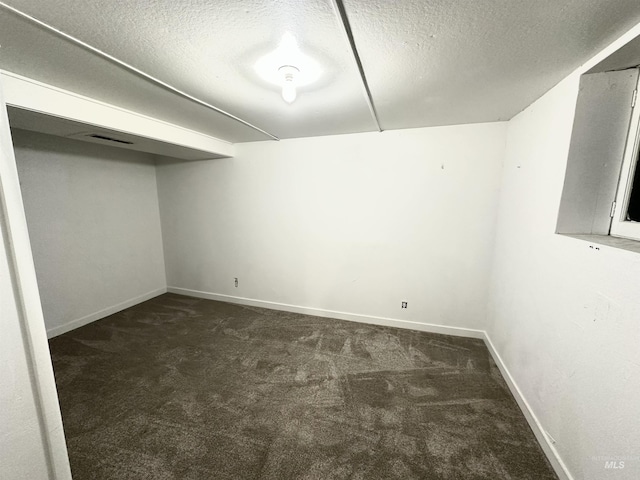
(108, 139)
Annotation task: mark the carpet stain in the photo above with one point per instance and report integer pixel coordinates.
(184, 388)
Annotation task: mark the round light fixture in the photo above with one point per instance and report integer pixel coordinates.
(288, 68)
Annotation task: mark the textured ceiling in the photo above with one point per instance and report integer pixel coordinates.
(433, 62)
(448, 62)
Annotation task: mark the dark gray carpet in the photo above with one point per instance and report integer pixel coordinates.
(182, 388)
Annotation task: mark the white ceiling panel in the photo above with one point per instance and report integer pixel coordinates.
(37, 54)
(434, 62)
(440, 62)
(207, 49)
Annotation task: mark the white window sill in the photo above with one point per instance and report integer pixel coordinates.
(609, 241)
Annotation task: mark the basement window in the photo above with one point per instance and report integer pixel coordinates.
(601, 194)
(633, 211)
(626, 210)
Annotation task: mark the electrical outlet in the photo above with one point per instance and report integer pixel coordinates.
(235, 280)
(404, 304)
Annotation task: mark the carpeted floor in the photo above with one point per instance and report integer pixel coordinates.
(182, 388)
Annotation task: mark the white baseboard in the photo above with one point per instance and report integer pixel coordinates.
(105, 312)
(318, 312)
(550, 451)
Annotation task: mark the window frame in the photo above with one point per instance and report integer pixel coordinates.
(620, 226)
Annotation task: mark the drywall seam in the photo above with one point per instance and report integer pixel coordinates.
(318, 312)
(338, 7)
(550, 451)
(105, 312)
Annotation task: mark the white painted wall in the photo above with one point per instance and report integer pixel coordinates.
(351, 223)
(21, 442)
(565, 317)
(32, 443)
(94, 223)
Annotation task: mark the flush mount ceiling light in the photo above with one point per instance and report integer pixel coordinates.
(288, 68)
